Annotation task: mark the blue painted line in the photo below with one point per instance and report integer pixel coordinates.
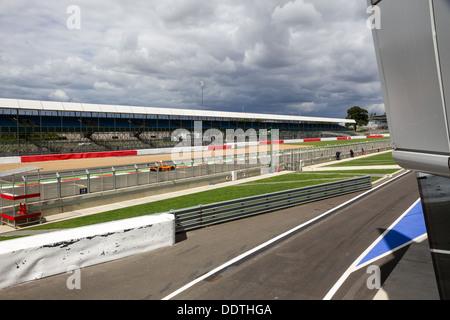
(408, 228)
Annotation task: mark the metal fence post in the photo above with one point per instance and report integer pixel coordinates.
(24, 185)
(137, 174)
(114, 177)
(58, 185)
(88, 176)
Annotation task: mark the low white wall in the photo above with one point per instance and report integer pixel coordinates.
(43, 255)
(7, 160)
(145, 152)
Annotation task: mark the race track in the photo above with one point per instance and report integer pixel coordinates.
(306, 264)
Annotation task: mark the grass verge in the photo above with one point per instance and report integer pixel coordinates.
(205, 197)
(382, 159)
(337, 142)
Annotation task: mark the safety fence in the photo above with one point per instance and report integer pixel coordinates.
(210, 214)
(296, 159)
(56, 185)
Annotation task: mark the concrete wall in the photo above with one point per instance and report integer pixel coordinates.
(39, 256)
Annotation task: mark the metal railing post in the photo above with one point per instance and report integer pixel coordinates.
(25, 191)
(114, 177)
(137, 174)
(58, 185)
(88, 177)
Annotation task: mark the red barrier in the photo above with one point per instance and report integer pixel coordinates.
(274, 142)
(370, 137)
(312, 140)
(72, 156)
(15, 197)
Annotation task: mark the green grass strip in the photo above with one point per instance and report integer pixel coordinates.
(338, 142)
(362, 171)
(377, 160)
(301, 176)
(205, 197)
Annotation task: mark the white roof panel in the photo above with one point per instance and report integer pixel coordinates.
(53, 105)
(107, 108)
(139, 110)
(30, 104)
(209, 113)
(197, 113)
(254, 116)
(183, 112)
(89, 107)
(220, 114)
(152, 110)
(9, 103)
(169, 111)
(70, 106)
(124, 109)
(22, 170)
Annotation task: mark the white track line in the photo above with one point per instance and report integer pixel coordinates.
(285, 234)
(355, 266)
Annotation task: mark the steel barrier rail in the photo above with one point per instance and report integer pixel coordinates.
(210, 214)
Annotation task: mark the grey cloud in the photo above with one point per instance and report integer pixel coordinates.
(309, 57)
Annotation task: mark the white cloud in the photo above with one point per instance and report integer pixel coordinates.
(296, 12)
(378, 108)
(58, 95)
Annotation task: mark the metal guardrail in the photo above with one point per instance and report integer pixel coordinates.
(210, 214)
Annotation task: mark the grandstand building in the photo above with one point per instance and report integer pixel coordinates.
(30, 127)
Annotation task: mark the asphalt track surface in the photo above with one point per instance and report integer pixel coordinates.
(305, 264)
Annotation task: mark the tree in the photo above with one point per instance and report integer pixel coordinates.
(358, 114)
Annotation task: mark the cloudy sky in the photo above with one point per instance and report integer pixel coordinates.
(299, 57)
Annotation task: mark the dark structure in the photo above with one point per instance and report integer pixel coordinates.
(412, 45)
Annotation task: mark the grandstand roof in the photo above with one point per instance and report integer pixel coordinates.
(22, 170)
(87, 107)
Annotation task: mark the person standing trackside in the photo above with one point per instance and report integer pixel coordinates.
(338, 153)
(352, 154)
(363, 153)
